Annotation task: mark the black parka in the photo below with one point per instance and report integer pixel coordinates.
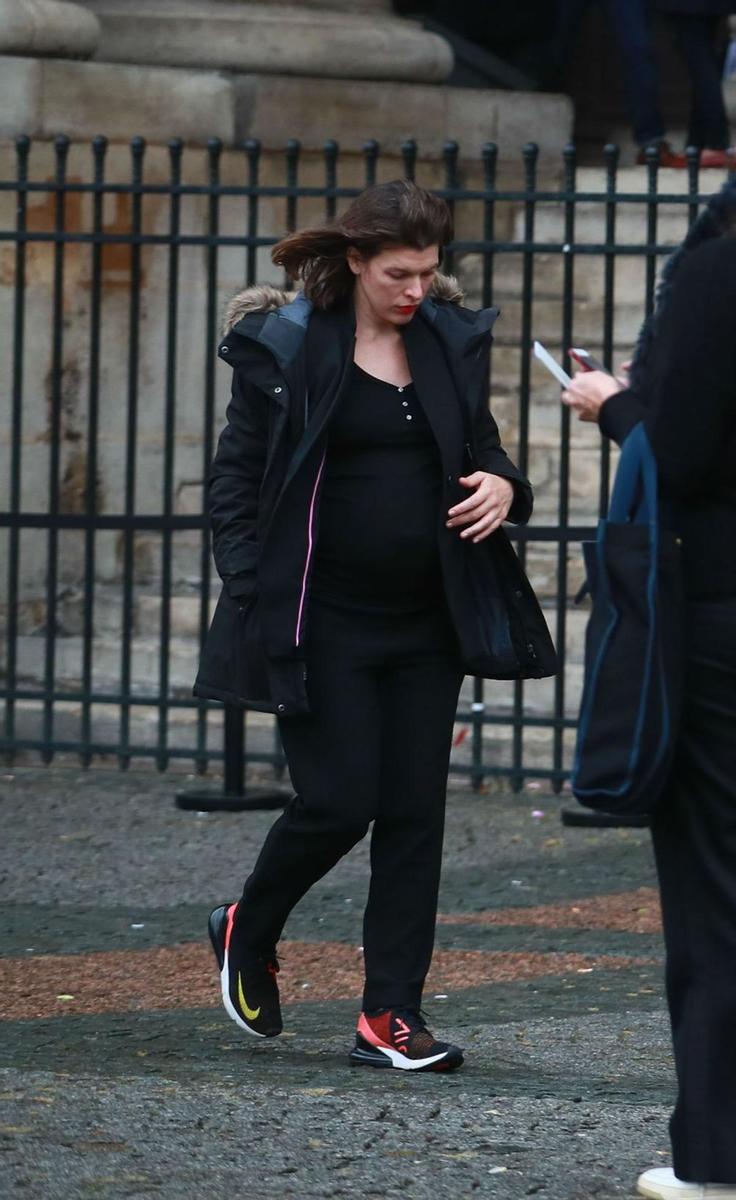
(290, 365)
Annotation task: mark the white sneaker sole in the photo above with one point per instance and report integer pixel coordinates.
(409, 1064)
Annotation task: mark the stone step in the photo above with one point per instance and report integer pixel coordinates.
(185, 608)
(144, 727)
(261, 739)
(589, 269)
(538, 695)
(184, 612)
(549, 278)
(183, 653)
(631, 215)
(144, 667)
(541, 568)
(589, 229)
(588, 326)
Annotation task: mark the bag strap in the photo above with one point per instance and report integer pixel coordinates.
(634, 498)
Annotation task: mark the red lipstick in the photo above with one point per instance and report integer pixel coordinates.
(406, 308)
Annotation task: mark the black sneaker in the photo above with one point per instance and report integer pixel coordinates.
(249, 989)
(398, 1037)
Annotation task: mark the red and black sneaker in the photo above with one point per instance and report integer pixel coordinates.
(250, 992)
(398, 1037)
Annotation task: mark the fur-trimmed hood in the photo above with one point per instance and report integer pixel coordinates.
(716, 219)
(264, 297)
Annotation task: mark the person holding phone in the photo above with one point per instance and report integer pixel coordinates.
(682, 385)
(356, 499)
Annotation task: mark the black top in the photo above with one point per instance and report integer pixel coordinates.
(688, 404)
(377, 541)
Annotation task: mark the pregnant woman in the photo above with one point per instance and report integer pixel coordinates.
(356, 500)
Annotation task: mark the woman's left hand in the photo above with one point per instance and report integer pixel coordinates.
(486, 509)
(589, 391)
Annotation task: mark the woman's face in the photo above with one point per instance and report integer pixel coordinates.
(393, 283)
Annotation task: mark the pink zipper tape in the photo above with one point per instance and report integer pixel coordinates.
(310, 548)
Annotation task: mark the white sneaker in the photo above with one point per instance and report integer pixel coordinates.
(661, 1183)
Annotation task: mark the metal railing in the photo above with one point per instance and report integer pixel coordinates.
(130, 264)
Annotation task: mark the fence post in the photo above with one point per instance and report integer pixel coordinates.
(234, 797)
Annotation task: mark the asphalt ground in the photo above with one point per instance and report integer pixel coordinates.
(123, 1077)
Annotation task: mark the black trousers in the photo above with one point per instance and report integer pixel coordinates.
(631, 21)
(375, 747)
(695, 847)
(696, 38)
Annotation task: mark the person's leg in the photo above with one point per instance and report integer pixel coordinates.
(419, 700)
(695, 37)
(695, 843)
(333, 757)
(631, 21)
(568, 16)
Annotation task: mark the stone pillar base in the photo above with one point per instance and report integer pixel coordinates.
(47, 27)
(276, 39)
(43, 97)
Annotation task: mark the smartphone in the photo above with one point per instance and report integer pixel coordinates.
(586, 360)
(552, 366)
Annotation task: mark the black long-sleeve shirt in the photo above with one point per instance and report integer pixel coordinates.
(687, 400)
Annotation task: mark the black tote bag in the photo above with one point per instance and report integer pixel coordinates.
(631, 699)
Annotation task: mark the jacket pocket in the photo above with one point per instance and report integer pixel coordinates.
(251, 666)
(232, 666)
(241, 588)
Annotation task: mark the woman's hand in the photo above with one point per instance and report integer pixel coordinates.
(486, 509)
(589, 391)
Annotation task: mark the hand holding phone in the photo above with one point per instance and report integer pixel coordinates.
(586, 360)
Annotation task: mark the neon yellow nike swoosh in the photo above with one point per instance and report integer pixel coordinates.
(251, 1014)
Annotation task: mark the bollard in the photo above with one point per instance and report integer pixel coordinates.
(234, 797)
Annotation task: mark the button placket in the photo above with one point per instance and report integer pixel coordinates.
(404, 404)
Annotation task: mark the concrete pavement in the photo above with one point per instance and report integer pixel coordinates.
(122, 1076)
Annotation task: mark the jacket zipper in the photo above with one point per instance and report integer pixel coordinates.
(310, 527)
(310, 548)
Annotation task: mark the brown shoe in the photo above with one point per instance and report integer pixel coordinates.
(667, 156)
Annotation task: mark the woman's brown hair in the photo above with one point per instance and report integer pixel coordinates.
(399, 213)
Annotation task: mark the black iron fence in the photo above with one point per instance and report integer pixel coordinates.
(115, 263)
